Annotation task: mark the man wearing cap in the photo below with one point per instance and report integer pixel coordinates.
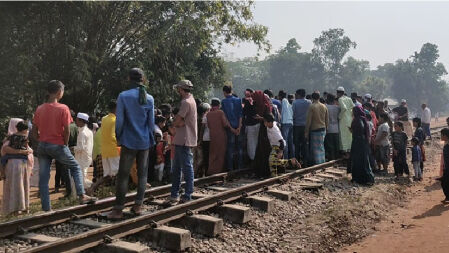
(51, 126)
(345, 120)
(134, 127)
(84, 145)
(368, 98)
(185, 139)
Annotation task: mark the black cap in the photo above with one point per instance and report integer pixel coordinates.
(136, 74)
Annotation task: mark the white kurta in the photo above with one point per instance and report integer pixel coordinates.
(83, 150)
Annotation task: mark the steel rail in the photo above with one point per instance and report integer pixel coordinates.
(127, 227)
(62, 215)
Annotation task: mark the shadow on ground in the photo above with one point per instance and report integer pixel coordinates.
(436, 210)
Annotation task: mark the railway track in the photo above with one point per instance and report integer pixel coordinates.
(79, 211)
(101, 233)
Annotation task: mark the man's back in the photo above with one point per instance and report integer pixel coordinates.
(232, 107)
(134, 122)
(319, 116)
(300, 107)
(51, 118)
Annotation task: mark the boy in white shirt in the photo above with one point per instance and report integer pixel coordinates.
(277, 146)
(382, 143)
(84, 145)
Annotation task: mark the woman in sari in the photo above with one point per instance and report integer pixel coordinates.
(361, 170)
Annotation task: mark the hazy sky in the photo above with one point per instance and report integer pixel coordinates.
(383, 31)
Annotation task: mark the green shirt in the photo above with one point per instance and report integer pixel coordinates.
(73, 135)
(97, 144)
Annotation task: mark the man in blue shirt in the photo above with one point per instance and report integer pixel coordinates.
(232, 107)
(300, 107)
(287, 125)
(134, 130)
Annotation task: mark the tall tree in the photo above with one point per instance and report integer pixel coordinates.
(330, 48)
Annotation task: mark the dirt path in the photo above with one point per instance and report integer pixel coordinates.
(421, 226)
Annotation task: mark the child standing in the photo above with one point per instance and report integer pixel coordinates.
(277, 146)
(445, 178)
(421, 136)
(399, 139)
(84, 145)
(382, 143)
(416, 159)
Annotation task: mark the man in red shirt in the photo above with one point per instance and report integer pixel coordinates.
(51, 126)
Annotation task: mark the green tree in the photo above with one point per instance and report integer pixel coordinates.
(352, 73)
(376, 86)
(90, 46)
(330, 48)
(419, 79)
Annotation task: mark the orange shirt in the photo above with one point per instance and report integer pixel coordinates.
(50, 119)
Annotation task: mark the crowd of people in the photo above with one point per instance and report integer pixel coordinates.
(138, 141)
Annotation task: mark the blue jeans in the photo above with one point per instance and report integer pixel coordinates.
(287, 134)
(46, 153)
(232, 144)
(183, 162)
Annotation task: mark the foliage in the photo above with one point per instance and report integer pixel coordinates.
(90, 46)
(418, 79)
(330, 48)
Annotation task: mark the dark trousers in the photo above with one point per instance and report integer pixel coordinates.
(205, 146)
(234, 151)
(127, 157)
(400, 163)
(301, 145)
(332, 145)
(62, 175)
(445, 183)
(287, 134)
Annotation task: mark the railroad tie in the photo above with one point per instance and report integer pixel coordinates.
(262, 203)
(310, 186)
(39, 238)
(314, 180)
(282, 195)
(89, 223)
(172, 238)
(203, 224)
(338, 173)
(235, 213)
(326, 176)
(119, 246)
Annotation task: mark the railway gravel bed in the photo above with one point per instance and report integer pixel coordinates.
(8, 245)
(322, 221)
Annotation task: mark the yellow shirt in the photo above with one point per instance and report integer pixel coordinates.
(108, 140)
(317, 117)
